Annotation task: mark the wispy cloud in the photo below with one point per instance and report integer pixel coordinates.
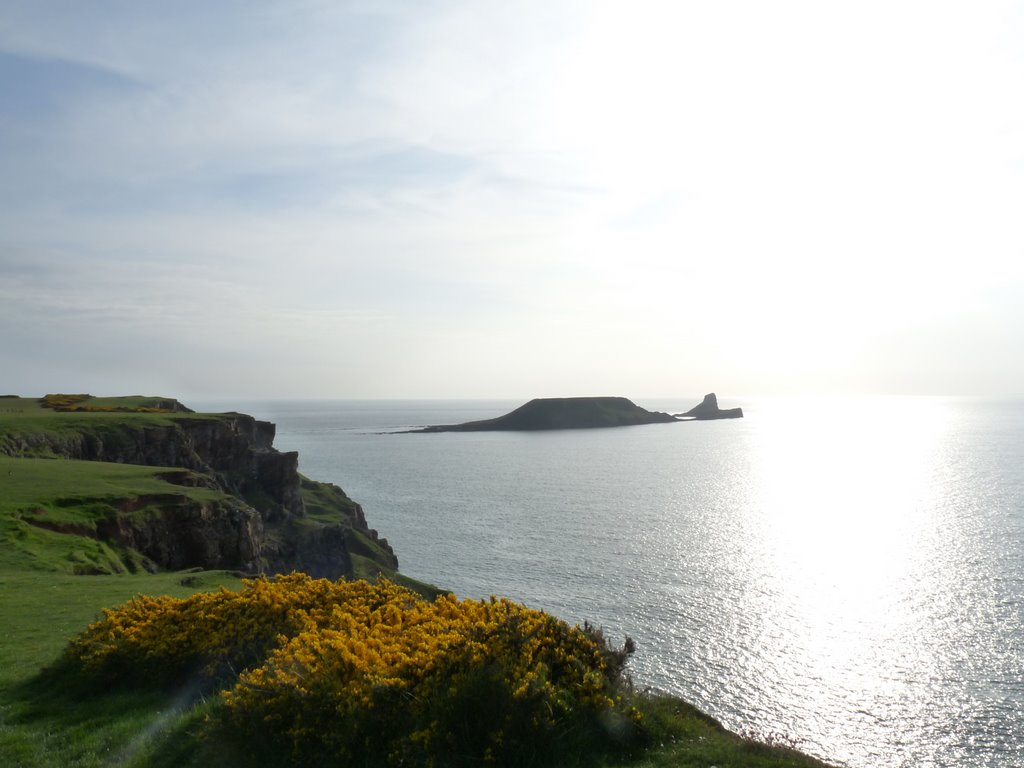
(483, 199)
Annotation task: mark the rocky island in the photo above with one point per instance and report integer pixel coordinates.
(545, 413)
(563, 413)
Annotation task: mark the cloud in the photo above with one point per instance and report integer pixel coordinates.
(497, 196)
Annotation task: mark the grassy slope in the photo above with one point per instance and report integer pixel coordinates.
(68, 492)
(43, 724)
(27, 415)
(43, 610)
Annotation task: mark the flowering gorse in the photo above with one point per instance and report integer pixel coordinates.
(80, 404)
(371, 673)
(159, 640)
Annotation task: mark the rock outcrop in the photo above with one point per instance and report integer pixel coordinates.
(175, 532)
(563, 413)
(708, 409)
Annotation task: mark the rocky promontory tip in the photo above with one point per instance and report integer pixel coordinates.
(563, 413)
(708, 409)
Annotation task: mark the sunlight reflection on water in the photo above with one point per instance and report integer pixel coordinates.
(843, 532)
(847, 571)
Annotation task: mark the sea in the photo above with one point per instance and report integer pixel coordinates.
(844, 574)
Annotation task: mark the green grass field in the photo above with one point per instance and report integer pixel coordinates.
(42, 481)
(42, 611)
(45, 723)
(30, 411)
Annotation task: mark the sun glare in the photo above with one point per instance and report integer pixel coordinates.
(841, 558)
(847, 551)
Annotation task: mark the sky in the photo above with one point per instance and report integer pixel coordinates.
(475, 199)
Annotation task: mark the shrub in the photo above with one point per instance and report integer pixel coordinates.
(412, 682)
(358, 673)
(78, 404)
(160, 640)
(63, 401)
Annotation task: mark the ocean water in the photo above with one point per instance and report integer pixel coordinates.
(844, 572)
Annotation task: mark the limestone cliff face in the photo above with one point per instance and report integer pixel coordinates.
(256, 523)
(321, 551)
(177, 533)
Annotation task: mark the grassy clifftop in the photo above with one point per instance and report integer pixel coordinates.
(111, 485)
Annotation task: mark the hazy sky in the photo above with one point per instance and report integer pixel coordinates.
(511, 199)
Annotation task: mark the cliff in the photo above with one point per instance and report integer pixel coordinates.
(224, 497)
(708, 409)
(564, 413)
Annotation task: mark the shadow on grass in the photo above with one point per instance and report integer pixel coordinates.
(62, 718)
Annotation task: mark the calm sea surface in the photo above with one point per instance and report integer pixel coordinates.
(848, 572)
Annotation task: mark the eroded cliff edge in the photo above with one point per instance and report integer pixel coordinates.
(228, 499)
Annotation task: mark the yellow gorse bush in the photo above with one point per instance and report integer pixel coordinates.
(78, 404)
(63, 400)
(369, 673)
(211, 634)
